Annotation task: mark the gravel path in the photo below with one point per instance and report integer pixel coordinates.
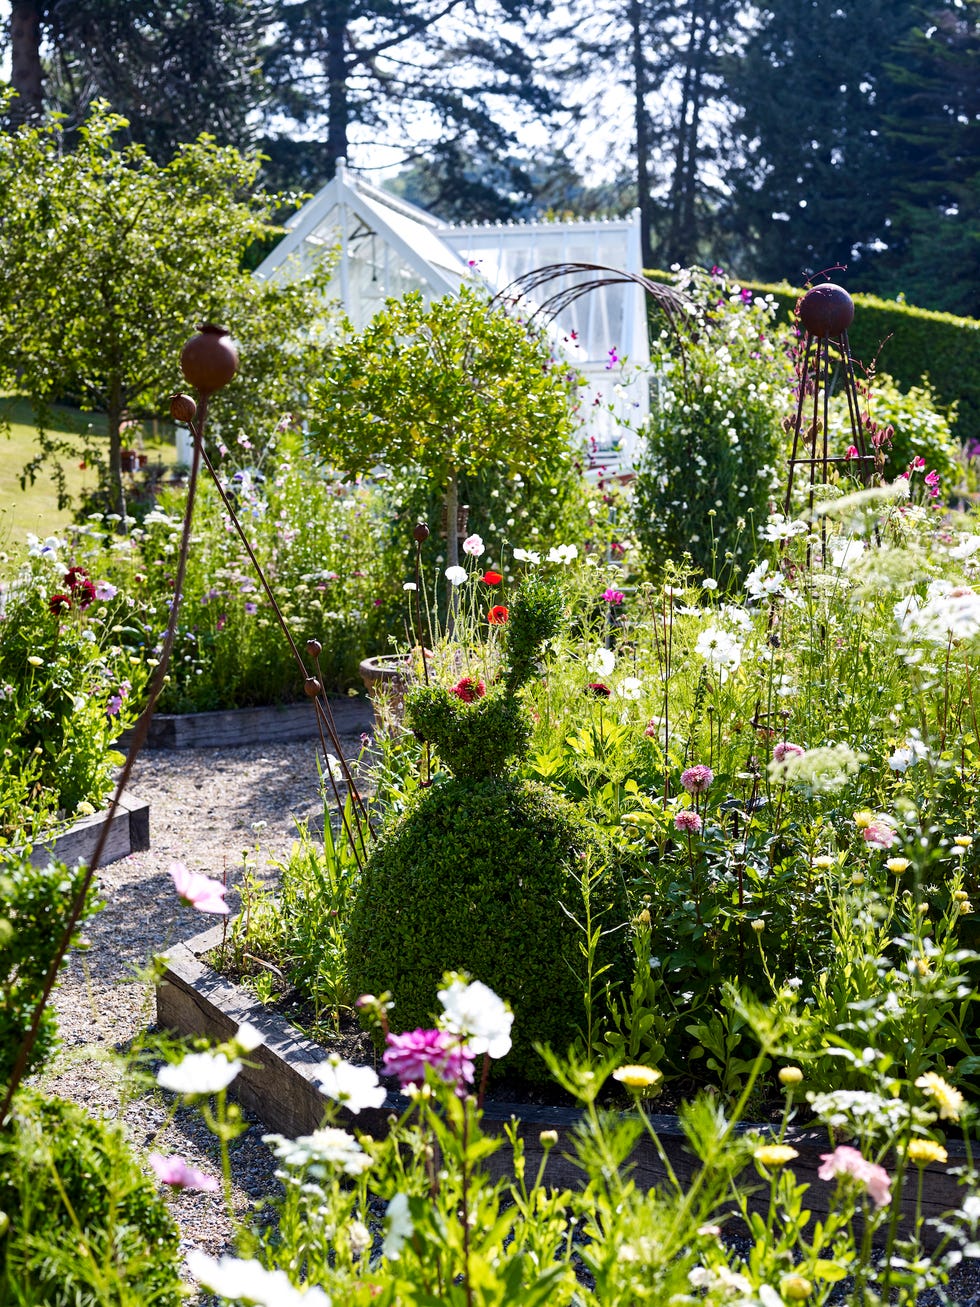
(208, 808)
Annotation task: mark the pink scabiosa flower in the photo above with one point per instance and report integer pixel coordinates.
(599, 689)
(200, 892)
(407, 1056)
(469, 690)
(848, 1161)
(697, 779)
(176, 1172)
(688, 821)
(785, 750)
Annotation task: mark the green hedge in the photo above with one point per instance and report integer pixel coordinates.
(909, 344)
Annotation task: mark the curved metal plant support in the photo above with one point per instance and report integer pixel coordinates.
(674, 304)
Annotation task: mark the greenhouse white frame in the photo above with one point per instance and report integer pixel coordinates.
(386, 246)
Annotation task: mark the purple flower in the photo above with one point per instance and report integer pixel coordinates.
(697, 779)
(613, 358)
(407, 1056)
(613, 596)
(251, 608)
(687, 820)
(105, 590)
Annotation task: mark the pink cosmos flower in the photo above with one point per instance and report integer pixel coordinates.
(198, 891)
(407, 1056)
(697, 779)
(785, 750)
(848, 1161)
(880, 834)
(175, 1171)
(687, 820)
(612, 596)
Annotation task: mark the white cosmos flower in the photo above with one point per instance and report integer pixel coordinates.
(456, 575)
(950, 612)
(526, 556)
(328, 1146)
(562, 554)
(719, 648)
(474, 1012)
(601, 662)
(233, 1278)
(354, 1087)
(844, 556)
(199, 1073)
(967, 547)
(398, 1227)
(782, 528)
(335, 767)
(630, 687)
(248, 1038)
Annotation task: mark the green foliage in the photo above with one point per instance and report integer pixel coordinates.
(451, 389)
(536, 616)
(86, 1227)
(68, 687)
(474, 740)
(714, 442)
(34, 905)
(108, 259)
(920, 429)
(481, 875)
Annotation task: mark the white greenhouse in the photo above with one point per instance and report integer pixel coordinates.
(386, 247)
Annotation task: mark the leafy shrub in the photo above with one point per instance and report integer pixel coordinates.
(87, 1227)
(483, 876)
(68, 686)
(33, 916)
(922, 429)
(713, 449)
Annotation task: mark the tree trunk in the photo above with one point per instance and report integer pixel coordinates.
(114, 415)
(25, 61)
(642, 133)
(338, 108)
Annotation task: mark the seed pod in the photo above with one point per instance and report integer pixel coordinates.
(314, 648)
(421, 533)
(826, 310)
(312, 687)
(182, 408)
(209, 360)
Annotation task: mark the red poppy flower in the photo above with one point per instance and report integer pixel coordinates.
(492, 578)
(498, 615)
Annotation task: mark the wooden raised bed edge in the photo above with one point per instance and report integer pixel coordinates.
(193, 999)
(285, 724)
(129, 832)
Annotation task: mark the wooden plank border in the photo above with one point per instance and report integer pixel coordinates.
(286, 724)
(193, 999)
(129, 832)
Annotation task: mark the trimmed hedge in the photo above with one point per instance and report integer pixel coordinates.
(909, 344)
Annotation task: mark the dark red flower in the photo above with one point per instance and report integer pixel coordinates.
(59, 604)
(469, 690)
(498, 615)
(598, 689)
(492, 578)
(74, 577)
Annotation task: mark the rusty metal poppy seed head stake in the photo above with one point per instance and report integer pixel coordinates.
(826, 310)
(182, 408)
(209, 360)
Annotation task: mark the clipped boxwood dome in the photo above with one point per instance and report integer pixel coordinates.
(473, 879)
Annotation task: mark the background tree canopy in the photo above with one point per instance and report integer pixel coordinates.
(779, 140)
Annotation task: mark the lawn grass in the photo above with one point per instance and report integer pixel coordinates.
(35, 507)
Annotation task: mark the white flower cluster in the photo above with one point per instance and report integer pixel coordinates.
(328, 1146)
(249, 1281)
(720, 649)
(859, 1110)
(949, 612)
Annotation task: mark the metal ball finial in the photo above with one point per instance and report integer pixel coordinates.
(826, 310)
